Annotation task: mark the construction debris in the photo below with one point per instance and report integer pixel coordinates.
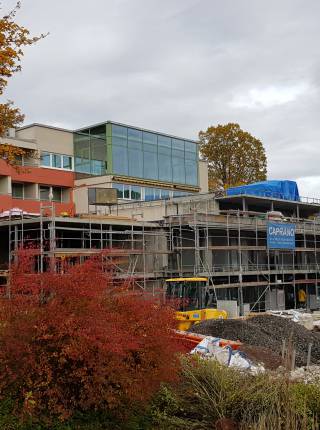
(299, 316)
(308, 375)
(209, 349)
(267, 331)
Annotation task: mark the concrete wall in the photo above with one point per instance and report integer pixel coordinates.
(21, 143)
(49, 138)
(203, 176)
(81, 193)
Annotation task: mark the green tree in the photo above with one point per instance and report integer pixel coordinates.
(234, 156)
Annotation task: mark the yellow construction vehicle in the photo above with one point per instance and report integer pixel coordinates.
(194, 300)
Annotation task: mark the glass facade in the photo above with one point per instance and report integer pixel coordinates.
(147, 155)
(127, 151)
(90, 151)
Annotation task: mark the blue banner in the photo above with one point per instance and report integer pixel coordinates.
(281, 235)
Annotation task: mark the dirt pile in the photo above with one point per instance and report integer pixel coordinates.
(259, 354)
(265, 331)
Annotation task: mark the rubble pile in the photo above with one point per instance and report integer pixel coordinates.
(308, 375)
(267, 331)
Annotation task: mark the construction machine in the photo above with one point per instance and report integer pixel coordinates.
(194, 300)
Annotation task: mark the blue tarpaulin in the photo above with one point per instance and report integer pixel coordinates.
(286, 190)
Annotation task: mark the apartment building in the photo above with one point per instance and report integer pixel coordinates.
(141, 165)
(47, 175)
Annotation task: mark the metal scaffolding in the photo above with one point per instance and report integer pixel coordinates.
(190, 237)
(134, 249)
(230, 248)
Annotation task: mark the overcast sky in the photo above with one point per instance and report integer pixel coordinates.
(178, 66)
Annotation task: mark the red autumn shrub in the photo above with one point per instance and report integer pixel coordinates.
(76, 341)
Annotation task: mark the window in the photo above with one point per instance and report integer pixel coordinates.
(17, 190)
(19, 160)
(45, 159)
(135, 163)
(56, 194)
(119, 131)
(177, 148)
(178, 171)
(150, 165)
(134, 134)
(157, 193)
(164, 141)
(191, 150)
(126, 191)
(97, 167)
(149, 138)
(56, 161)
(165, 167)
(148, 194)
(67, 162)
(119, 141)
(135, 192)
(82, 165)
(44, 192)
(120, 160)
(165, 194)
(99, 131)
(119, 188)
(150, 142)
(191, 172)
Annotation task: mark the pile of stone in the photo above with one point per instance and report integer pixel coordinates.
(267, 331)
(308, 375)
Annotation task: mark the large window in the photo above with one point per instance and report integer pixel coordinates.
(150, 165)
(120, 160)
(165, 167)
(178, 170)
(142, 154)
(135, 163)
(136, 192)
(90, 150)
(56, 161)
(191, 172)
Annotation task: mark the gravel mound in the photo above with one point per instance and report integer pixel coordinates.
(265, 331)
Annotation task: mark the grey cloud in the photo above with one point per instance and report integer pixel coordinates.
(176, 66)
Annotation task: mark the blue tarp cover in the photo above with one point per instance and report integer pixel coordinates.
(286, 190)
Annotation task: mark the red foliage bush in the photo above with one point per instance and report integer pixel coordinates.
(76, 341)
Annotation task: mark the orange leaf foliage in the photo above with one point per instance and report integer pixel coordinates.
(78, 341)
(13, 38)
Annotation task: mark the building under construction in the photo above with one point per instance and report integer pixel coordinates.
(222, 238)
(143, 196)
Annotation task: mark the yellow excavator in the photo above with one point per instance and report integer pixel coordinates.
(194, 299)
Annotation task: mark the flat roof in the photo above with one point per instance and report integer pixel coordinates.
(259, 200)
(36, 124)
(75, 220)
(137, 128)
